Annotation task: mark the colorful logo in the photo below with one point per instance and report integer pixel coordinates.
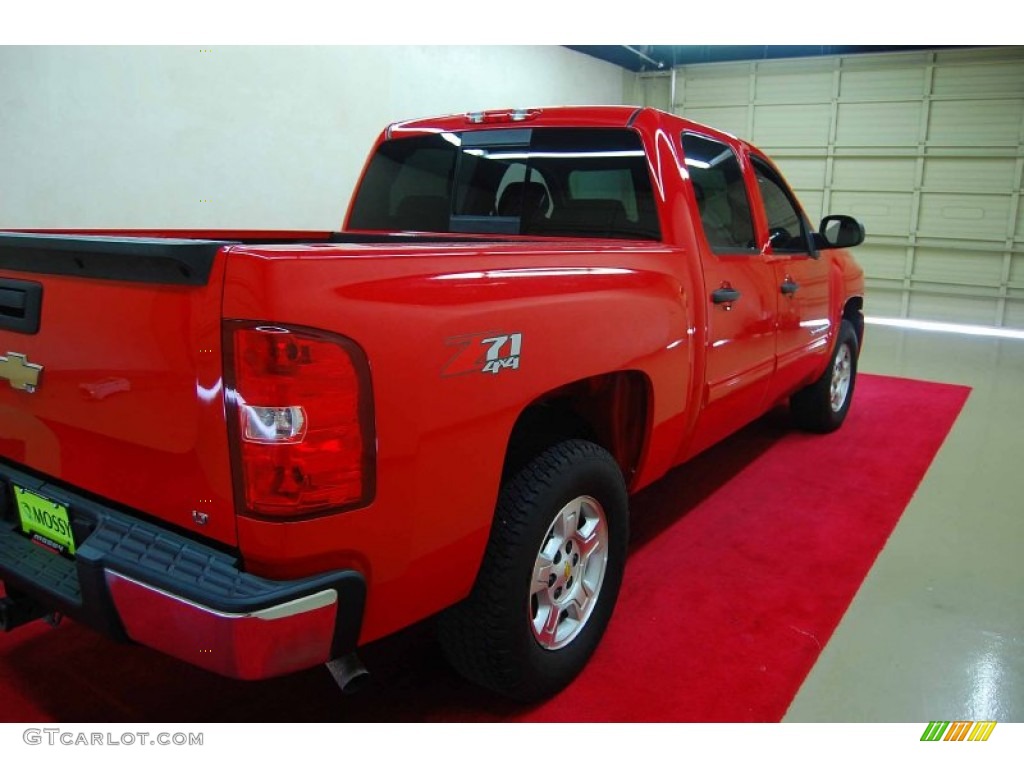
(961, 730)
(484, 353)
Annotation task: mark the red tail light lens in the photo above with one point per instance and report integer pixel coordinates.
(300, 405)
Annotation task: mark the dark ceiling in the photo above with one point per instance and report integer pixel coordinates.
(651, 58)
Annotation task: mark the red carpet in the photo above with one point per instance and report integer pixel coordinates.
(743, 562)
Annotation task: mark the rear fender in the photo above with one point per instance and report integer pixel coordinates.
(456, 357)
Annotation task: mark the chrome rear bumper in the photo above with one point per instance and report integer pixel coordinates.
(135, 580)
(249, 646)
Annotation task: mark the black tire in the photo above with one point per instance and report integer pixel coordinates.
(822, 406)
(492, 637)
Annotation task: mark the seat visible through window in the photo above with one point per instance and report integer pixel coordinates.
(597, 217)
(525, 199)
(423, 213)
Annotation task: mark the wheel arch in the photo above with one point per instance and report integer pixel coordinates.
(853, 310)
(612, 410)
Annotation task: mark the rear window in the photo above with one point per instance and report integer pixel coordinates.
(575, 182)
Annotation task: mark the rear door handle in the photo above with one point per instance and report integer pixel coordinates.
(789, 288)
(725, 295)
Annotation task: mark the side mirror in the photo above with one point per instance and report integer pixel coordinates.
(841, 231)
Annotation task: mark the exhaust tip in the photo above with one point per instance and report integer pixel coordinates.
(349, 673)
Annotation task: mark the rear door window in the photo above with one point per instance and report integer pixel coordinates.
(721, 194)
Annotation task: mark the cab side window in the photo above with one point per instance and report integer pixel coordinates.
(721, 194)
(787, 228)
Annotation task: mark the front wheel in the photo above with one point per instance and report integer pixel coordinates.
(823, 405)
(550, 575)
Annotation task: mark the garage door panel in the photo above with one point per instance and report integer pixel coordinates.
(878, 82)
(885, 213)
(804, 172)
(865, 125)
(882, 300)
(974, 80)
(879, 260)
(792, 126)
(1017, 267)
(651, 92)
(953, 265)
(975, 123)
(925, 305)
(969, 56)
(1015, 310)
(794, 82)
(812, 201)
(717, 84)
(874, 173)
(983, 217)
(898, 60)
(729, 119)
(996, 175)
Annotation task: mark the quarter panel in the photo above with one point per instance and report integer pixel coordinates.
(427, 319)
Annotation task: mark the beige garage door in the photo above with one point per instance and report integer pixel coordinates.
(927, 149)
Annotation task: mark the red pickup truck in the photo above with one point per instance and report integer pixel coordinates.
(257, 451)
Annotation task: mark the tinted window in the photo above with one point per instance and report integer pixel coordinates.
(581, 182)
(605, 185)
(786, 226)
(409, 182)
(721, 195)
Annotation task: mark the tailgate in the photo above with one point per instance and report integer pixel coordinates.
(110, 372)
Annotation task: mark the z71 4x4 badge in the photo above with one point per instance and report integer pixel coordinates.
(490, 352)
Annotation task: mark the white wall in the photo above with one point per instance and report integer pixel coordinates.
(247, 137)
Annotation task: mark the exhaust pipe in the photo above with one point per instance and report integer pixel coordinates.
(348, 672)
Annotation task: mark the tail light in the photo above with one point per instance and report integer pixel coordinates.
(300, 408)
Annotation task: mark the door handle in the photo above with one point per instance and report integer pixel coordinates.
(725, 295)
(789, 288)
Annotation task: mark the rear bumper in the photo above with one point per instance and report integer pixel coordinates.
(135, 580)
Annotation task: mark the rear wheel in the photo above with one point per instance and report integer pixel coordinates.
(550, 576)
(822, 406)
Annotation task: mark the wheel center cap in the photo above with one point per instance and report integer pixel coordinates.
(567, 571)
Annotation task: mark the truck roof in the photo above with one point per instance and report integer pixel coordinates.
(594, 116)
(548, 117)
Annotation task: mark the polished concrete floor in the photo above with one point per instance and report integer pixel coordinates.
(936, 631)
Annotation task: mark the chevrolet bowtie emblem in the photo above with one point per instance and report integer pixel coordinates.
(20, 372)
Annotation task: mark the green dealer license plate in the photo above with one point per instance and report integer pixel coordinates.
(45, 521)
